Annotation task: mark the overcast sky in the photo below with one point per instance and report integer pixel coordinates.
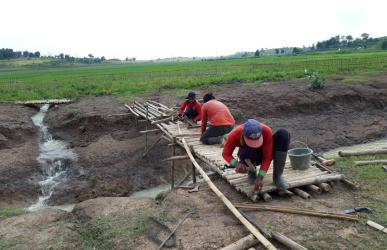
(151, 29)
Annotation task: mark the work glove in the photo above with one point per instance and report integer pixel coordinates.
(240, 167)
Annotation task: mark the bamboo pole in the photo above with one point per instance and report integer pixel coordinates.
(151, 147)
(298, 211)
(243, 243)
(149, 131)
(314, 188)
(301, 193)
(261, 229)
(173, 165)
(187, 135)
(377, 226)
(285, 192)
(324, 186)
(131, 110)
(146, 128)
(367, 152)
(176, 158)
(313, 180)
(162, 120)
(250, 227)
(370, 162)
(344, 179)
(267, 197)
(184, 178)
(286, 241)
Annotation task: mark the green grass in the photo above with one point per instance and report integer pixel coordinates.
(9, 212)
(372, 180)
(103, 231)
(71, 81)
(359, 79)
(11, 243)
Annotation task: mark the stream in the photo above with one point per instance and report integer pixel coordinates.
(55, 158)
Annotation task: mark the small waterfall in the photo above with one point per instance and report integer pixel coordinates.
(55, 158)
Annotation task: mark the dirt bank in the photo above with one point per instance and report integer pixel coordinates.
(109, 146)
(109, 149)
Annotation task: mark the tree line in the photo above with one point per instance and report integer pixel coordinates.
(9, 53)
(347, 41)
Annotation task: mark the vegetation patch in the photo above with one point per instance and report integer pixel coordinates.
(106, 231)
(371, 193)
(9, 212)
(360, 79)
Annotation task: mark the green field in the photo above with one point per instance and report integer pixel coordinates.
(21, 79)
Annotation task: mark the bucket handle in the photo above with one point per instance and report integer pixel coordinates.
(300, 142)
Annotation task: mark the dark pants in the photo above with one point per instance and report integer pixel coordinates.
(213, 134)
(281, 141)
(191, 114)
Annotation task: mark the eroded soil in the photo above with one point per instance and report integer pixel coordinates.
(109, 149)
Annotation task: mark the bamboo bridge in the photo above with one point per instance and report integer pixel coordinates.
(317, 178)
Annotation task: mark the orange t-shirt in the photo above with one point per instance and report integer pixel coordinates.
(218, 114)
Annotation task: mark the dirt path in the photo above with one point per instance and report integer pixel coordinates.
(109, 148)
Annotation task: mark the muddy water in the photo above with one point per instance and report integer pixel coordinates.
(55, 158)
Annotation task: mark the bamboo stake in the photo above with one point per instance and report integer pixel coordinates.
(370, 162)
(173, 165)
(250, 227)
(298, 211)
(146, 128)
(367, 152)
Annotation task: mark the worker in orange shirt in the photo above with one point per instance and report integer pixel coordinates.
(257, 143)
(191, 108)
(220, 117)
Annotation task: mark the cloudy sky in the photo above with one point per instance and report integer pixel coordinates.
(151, 29)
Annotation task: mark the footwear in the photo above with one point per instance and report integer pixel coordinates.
(251, 176)
(278, 168)
(214, 140)
(224, 139)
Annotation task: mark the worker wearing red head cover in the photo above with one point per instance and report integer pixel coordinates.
(257, 143)
(191, 108)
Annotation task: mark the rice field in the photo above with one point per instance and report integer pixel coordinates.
(73, 81)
